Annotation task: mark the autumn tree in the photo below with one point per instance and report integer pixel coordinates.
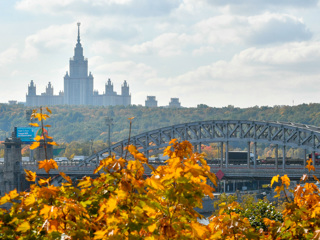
(130, 199)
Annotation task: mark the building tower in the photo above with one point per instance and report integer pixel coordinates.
(78, 86)
(109, 88)
(49, 89)
(31, 97)
(126, 97)
(32, 89)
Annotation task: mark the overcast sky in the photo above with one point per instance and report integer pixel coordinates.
(214, 52)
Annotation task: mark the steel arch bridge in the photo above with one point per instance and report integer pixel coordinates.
(284, 134)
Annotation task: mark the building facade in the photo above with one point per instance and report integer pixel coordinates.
(174, 103)
(78, 87)
(151, 101)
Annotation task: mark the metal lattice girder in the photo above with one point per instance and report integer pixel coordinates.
(281, 133)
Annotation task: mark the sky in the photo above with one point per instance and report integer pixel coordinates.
(213, 52)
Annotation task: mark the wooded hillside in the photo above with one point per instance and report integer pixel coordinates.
(70, 123)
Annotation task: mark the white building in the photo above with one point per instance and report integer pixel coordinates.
(78, 87)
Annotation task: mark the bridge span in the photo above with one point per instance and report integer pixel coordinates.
(280, 134)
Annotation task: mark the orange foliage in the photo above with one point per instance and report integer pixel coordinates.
(122, 202)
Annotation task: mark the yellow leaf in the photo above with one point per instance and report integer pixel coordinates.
(154, 183)
(48, 164)
(4, 199)
(30, 176)
(278, 190)
(34, 145)
(198, 229)
(23, 227)
(98, 168)
(46, 210)
(112, 204)
(38, 138)
(48, 191)
(13, 194)
(47, 125)
(38, 115)
(48, 110)
(310, 167)
(274, 179)
(85, 182)
(212, 177)
(44, 181)
(285, 180)
(34, 124)
(53, 143)
(299, 190)
(131, 118)
(152, 227)
(53, 225)
(66, 177)
(29, 200)
(149, 210)
(100, 234)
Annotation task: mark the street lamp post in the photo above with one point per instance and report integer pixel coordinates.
(109, 122)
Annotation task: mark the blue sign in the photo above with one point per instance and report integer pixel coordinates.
(27, 134)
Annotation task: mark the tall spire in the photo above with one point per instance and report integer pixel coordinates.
(78, 51)
(78, 31)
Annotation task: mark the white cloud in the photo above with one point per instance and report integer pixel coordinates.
(259, 29)
(270, 28)
(266, 76)
(203, 50)
(51, 39)
(165, 45)
(288, 54)
(99, 7)
(224, 30)
(8, 56)
(48, 6)
(254, 6)
(128, 68)
(136, 74)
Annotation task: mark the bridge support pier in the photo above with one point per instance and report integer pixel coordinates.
(283, 156)
(313, 158)
(221, 154)
(227, 151)
(44, 152)
(248, 157)
(255, 155)
(276, 153)
(305, 158)
(11, 174)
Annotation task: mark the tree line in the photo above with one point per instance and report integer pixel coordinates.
(86, 124)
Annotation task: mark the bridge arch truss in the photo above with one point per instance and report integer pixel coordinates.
(284, 134)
